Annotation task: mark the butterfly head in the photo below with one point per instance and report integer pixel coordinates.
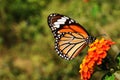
(91, 39)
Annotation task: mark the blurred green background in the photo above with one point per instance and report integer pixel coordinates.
(27, 44)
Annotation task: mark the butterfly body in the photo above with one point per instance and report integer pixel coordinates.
(70, 37)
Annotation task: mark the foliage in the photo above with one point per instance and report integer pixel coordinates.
(20, 20)
(112, 77)
(26, 42)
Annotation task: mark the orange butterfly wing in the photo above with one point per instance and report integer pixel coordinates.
(70, 37)
(74, 28)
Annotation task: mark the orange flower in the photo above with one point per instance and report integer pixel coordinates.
(96, 53)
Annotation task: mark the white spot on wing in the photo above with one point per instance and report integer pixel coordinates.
(57, 26)
(58, 32)
(62, 20)
(54, 14)
(69, 22)
(58, 23)
(72, 20)
(66, 17)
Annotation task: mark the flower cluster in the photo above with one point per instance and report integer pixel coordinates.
(96, 53)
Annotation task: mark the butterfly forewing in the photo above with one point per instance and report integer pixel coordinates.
(70, 37)
(56, 21)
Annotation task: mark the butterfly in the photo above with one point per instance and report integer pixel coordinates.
(70, 37)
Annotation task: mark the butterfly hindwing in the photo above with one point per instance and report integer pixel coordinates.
(68, 45)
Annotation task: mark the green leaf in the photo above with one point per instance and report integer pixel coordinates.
(112, 77)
